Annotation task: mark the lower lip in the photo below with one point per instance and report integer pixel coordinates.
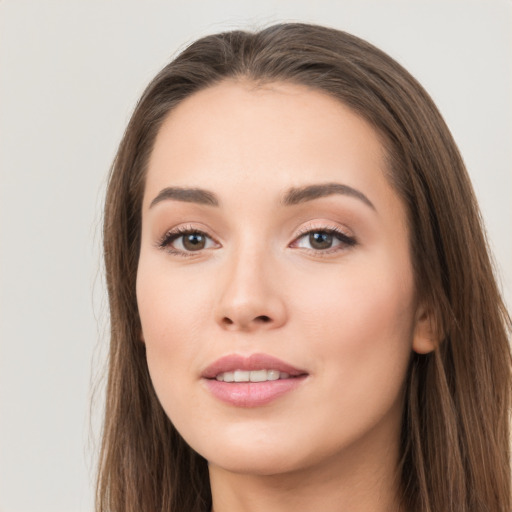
(252, 394)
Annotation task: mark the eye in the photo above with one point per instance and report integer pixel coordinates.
(182, 241)
(324, 240)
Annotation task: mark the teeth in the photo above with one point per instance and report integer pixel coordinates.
(229, 377)
(241, 376)
(252, 376)
(258, 376)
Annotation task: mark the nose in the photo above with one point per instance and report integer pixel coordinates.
(250, 297)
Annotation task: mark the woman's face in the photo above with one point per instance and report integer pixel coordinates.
(275, 285)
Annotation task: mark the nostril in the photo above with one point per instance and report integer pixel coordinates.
(245, 323)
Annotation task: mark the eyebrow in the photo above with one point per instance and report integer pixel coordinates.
(302, 194)
(187, 195)
(293, 196)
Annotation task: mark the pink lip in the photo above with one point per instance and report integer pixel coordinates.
(253, 362)
(251, 394)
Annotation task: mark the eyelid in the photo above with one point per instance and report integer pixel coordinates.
(164, 242)
(322, 226)
(347, 240)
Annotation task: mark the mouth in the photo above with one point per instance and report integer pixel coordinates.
(251, 381)
(251, 376)
(260, 367)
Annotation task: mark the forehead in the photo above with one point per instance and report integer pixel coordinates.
(269, 137)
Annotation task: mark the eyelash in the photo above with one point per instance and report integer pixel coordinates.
(174, 234)
(346, 240)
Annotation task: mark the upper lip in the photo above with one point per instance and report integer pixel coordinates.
(233, 362)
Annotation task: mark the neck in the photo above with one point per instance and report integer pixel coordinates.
(362, 482)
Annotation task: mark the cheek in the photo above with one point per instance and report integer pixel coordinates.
(358, 296)
(172, 312)
(363, 319)
(170, 329)
(167, 311)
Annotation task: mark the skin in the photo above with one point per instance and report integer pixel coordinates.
(347, 315)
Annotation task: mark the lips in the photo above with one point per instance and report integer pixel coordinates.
(251, 381)
(254, 362)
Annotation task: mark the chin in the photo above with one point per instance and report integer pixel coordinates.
(254, 463)
(262, 456)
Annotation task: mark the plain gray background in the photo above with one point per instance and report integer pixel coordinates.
(70, 74)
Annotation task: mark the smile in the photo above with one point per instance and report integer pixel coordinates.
(251, 376)
(251, 381)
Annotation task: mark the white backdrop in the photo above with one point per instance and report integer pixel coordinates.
(70, 73)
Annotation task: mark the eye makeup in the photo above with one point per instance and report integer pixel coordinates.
(323, 240)
(318, 240)
(192, 240)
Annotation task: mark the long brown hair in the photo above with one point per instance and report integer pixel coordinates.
(455, 451)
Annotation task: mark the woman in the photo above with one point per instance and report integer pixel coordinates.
(303, 311)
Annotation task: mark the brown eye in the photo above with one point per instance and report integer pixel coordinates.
(194, 241)
(183, 241)
(327, 240)
(320, 240)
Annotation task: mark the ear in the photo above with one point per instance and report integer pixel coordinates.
(426, 335)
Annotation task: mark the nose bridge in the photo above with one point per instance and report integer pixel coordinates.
(249, 295)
